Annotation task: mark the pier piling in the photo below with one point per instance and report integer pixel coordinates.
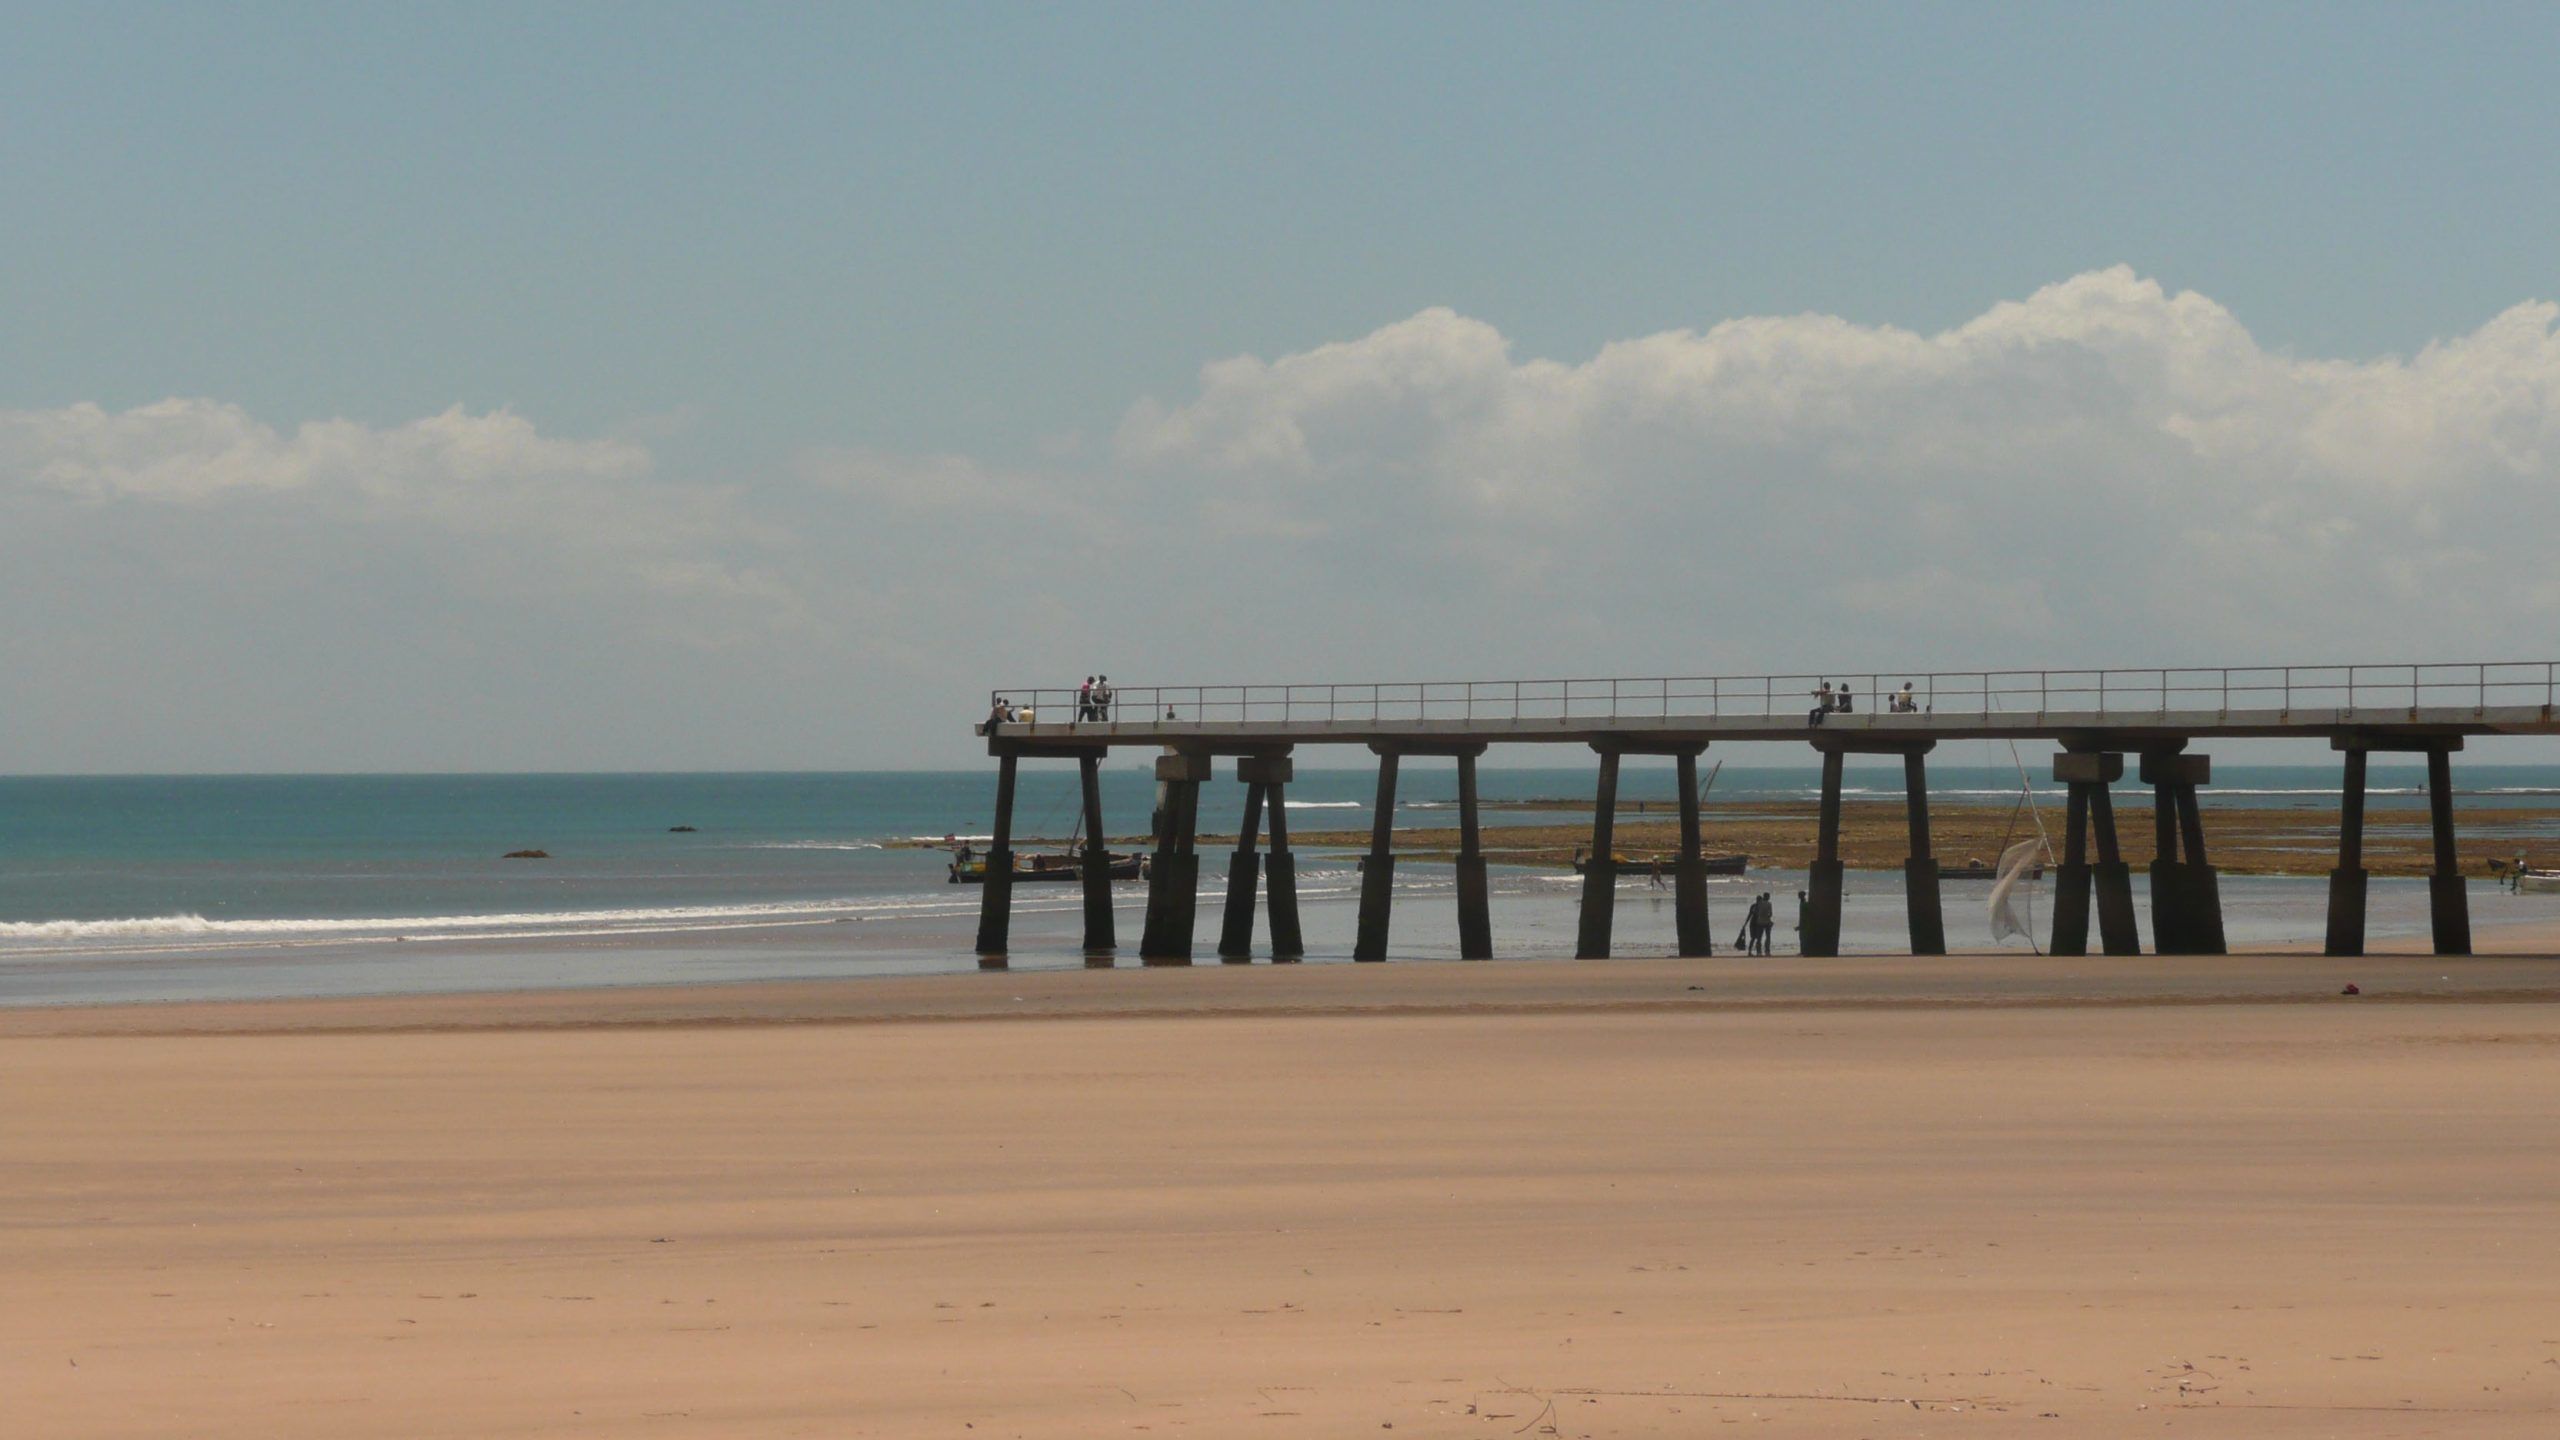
(2448, 899)
(1600, 874)
(2186, 896)
(1920, 872)
(995, 897)
(1280, 867)
(1821, 933)
(1378, 871)
(1475, 915)
(1244, 871)
(2348, 883)
(1173, 873)
(1689, 873)
(1100, 935)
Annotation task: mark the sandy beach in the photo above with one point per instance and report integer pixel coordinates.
(1882, 1197)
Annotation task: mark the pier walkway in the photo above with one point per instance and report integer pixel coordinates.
(2097, 717)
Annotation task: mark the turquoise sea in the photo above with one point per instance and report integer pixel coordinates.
(172, 887)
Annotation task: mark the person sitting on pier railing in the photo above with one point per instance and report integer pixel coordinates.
(1823, 704)
(997, 716)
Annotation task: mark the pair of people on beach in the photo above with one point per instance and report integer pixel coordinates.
(1758, 923)
(1093, 698)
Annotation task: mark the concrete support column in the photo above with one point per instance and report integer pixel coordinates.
(2071, 881)
(1100, 936)
(1920, 872)
(1378, 872)
(1600, 877)
(1280, 871)
(1244, 871)
(2117, 933)
(995, 898)
(2447, 897)
(2186, 898)
(1475, 913)
(1689, 873)
(1821, 933)
(2349, 882)
(1173, 876)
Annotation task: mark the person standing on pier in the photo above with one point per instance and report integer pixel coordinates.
(1102, 698)
(1084, 699)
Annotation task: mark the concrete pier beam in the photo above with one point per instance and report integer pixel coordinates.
(995, 897)
(1173, 875)
(2349, 883)
(1475, 914)
(1378, 870)
(2448, 899)
(1821, 933)
(1600, 875)
(1280, 867)
(1696, 927)
(1244, 873)
(1100, 937)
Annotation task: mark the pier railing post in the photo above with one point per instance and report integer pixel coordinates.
(1920, 872)
(1475, 914)
(1244, 872)
(1820, 934)
(995, 897)
(1689, 875)
(2448, 899)
(1100, 937)
(2349, 884)
(1600, 875)
(1378, 870)
(1173, 877)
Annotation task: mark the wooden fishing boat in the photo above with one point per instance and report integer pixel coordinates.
(1642, 864)
(1036, 869)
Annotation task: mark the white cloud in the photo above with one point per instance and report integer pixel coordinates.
(2124, 467)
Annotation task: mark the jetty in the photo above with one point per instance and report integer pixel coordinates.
(2098, 718)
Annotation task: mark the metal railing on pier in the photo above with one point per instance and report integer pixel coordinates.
(2108, 694)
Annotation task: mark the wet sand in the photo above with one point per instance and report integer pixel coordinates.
(1870, 1197)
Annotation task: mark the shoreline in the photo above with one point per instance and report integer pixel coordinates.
(2524, 971)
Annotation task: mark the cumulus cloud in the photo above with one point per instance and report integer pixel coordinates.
(2103, 472)
(512, 507)
(2103, 469)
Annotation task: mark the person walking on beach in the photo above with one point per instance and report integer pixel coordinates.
(1804, 911)
(1822, 704)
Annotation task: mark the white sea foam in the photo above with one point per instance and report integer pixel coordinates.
(1325, 805)
(189, 925)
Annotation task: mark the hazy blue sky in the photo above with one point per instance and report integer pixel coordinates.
(623, 386)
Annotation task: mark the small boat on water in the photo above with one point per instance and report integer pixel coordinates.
(1034, 869)
(1639, 864)
(2538, 882)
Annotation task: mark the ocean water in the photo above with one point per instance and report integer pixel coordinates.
(158, 888)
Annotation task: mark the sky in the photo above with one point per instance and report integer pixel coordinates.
(706, 387)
